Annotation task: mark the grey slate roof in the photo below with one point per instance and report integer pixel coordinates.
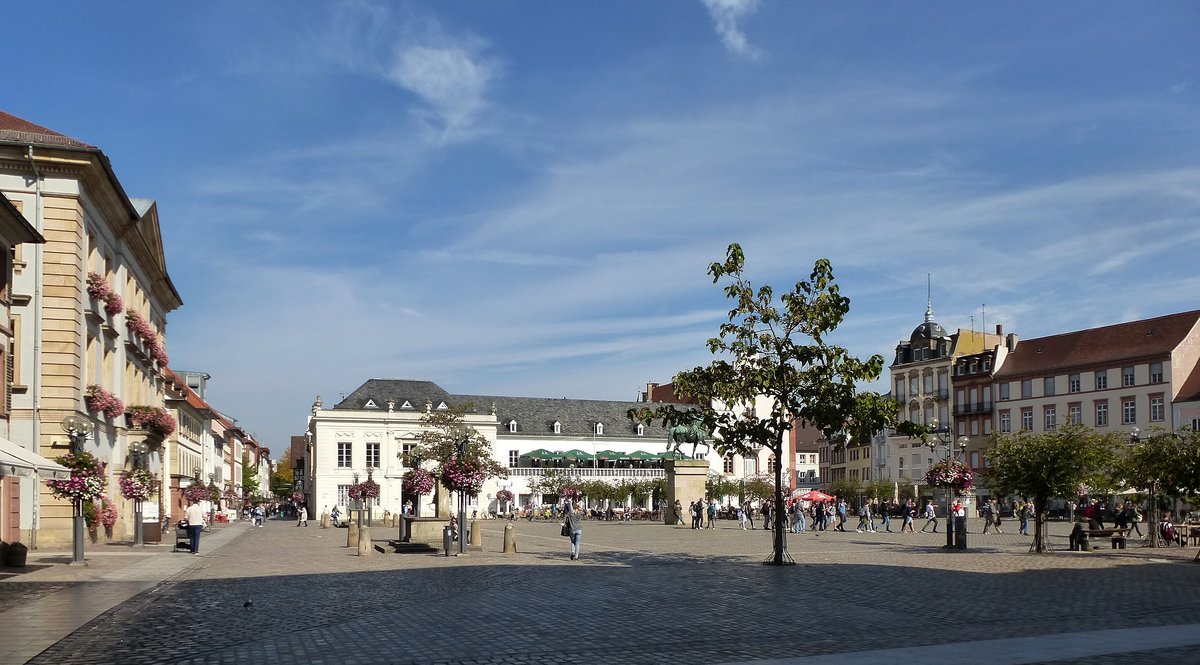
(535, 416)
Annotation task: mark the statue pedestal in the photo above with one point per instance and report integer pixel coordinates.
(427, 530)
(685, 482)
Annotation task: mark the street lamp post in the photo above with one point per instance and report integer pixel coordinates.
(78, 430)
(417, 497)
(944, 438)
(137, 450)
(212, 505)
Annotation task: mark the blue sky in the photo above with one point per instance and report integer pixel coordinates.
(521, 198)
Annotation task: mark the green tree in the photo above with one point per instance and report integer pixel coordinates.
(281, 478)
(439, 438)
(1163, 464)
(719, 486)
(846, 488)
(879, 489)
(777, 348)
(1052, 464)
(249, 476)
(760, 488)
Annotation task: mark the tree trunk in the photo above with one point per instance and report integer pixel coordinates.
(780, 557)
(1039, 521)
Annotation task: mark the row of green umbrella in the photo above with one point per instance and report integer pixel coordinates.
(582, 455)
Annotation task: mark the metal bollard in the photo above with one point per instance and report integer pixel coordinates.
(447, 538)
(510, 539)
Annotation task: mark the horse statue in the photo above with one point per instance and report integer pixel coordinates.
(692, 433)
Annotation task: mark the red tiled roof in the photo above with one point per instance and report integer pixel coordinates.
(17, 130)
(1136, 339)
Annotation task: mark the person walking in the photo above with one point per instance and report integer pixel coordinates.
(863, 512)
(986, 513)
(302, 518)
(1134, 517)
(195, 518)
(575, 527)
(801, 524)
(907, 512)
(741, 516)
(930, 516)
(678, 507)
(1023, 510)
(885, 521)
(712, 513)
(841, 514)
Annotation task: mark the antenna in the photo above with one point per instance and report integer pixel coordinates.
(983, 308)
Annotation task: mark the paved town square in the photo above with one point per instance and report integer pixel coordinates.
(641, 593)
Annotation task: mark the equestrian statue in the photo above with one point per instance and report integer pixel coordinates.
(692, 433)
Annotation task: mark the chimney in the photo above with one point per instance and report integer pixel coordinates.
(1011, 342)
(999, 330)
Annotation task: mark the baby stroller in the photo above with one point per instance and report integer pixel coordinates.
(183, 541)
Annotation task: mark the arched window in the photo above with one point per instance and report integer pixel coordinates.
(771, 464)
(512, 426)
(728, 463)
(557, 427)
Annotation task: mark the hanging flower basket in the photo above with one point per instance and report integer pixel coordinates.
(297, 498)
(568, 492)
(87, 478)
(113, 303)
(137, 485)
(108, 514)
(951, 474)
(504, 495)
(196, 493)
(417, 481)
(97, 286)
(364, 490)
(99, 400)
(463, 475)
(156, 419)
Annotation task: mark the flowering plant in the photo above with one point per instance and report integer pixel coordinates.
(368, 489)
(465, 475)
(90, 514)
(951, 474)
(113, 303)
(504, 495)
(214, 492)
(297, 498)
(145, 332)
(99, 400)
(108, 514)
(137, 484)
(97, 286)
(229, 494)
(416, 481)
(569, 492)
(197, 492)
(87, 478)
(154, 418)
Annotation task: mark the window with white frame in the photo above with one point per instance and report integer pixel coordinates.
(1027, 389)
(1127, 377)
(1128, 411)
(1158, 412)
(1102, 379)
(512, 427)
(1156, 372)
(344, 451)
(343, 495)
(1073, 383)
(557, 427)
(373, 454)
(1005, 422)
(1049, 418)
(1102, 413)
(1027, 419)
(514, 458)
(1075, 413)
(727, 464)
(599, 429)
(1004, 391)
(641, 430)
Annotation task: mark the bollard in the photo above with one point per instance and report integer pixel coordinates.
(365, 548)
(476, 537)
(324, 520)
(352, 535)
(447, 538)
(510, 539)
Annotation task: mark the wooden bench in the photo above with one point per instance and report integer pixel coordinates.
(1117, 536)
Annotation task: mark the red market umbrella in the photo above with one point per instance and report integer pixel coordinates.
(814, 495)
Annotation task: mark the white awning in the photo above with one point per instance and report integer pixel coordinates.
(17, 461)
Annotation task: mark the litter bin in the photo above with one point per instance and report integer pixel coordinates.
(447, 538)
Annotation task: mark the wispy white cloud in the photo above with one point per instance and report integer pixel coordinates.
(451, 80)
(727, 16)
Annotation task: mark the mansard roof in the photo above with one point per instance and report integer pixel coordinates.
(534, 415)
(1147, 338)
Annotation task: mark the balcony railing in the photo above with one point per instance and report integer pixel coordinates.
(969, 409)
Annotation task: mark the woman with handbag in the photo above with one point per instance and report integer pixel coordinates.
(572, 527)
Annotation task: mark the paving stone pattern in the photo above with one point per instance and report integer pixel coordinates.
(643, 593)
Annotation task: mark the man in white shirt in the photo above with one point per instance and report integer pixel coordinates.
(195, 518)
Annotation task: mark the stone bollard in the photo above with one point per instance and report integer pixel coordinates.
(387, 518)
(510, 539)
(476, 544)
(365, 547)
(352, 535)
(325, 520)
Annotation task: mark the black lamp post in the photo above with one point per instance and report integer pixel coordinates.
(138, 450)
(78, 430)
(417, 498)
(460, 449)
(212, 505)
(944, 438)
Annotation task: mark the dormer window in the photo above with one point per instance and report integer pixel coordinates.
(557, 427)
(641, 430)
(442, 406)
(599, 429)
(370, 404)
(512, 427)
(406, 405)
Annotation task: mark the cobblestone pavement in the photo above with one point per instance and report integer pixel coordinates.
(643, 593)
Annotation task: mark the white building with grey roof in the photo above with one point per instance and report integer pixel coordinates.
(371, 428)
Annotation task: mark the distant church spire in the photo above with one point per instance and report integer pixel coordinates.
(928, 297)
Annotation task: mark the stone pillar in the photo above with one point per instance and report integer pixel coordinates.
(685, 482)
(510, 539)
(352, 534)
(476, 544)
(365, 546)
